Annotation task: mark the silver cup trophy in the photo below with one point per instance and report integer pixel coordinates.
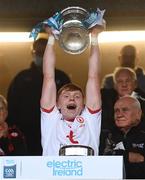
(74, 36)
(71, 27)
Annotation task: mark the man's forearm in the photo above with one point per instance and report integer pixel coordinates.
(49, 58)
(48, 98)
(93, 100)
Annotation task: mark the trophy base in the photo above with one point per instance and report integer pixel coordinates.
(76, 150)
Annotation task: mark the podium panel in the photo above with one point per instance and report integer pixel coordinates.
(61, 167)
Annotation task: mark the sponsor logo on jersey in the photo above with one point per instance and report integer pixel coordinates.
(71, 137)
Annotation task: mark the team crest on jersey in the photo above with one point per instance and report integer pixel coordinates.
(80, 119)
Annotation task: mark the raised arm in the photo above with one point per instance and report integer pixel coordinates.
(48, 98)
(93, 97)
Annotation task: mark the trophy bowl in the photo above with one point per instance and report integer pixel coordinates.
(76, 150)
(74, 37)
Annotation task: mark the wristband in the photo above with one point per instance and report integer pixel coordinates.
(94, 40)
(51, 40)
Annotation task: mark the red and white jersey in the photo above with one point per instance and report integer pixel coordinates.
(57, 132)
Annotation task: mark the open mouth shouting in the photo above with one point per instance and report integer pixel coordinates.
(71, 106)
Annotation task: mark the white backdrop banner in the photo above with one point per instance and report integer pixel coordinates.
(61, 167)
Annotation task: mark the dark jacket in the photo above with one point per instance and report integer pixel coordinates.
(24, 104)
(118, 143)
(13, 144)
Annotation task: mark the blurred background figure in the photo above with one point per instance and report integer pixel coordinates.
(127, 58)
(24, 97)
(12, 141)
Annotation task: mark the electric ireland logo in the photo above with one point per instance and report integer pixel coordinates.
(66, 168)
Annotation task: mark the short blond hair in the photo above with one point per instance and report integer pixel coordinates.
(119, 70)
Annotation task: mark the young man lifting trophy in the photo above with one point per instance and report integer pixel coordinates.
(71, 119)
